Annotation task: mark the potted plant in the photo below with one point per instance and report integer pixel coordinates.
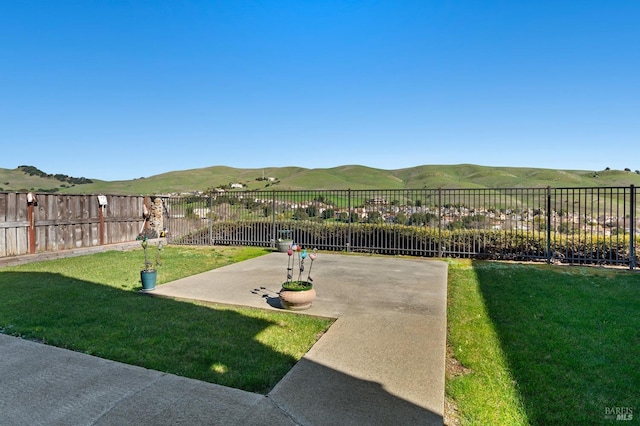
(285, 241)
(298, 294)
(149, 274)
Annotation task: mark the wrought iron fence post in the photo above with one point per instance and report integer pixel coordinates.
(440, 253)
(273, 218)
(548, 224)
(210, 218)
(349, 217)
(632, 228)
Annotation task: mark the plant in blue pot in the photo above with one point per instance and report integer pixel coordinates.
(149, 273)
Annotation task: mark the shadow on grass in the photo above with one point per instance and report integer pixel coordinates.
(217, 345)
(571, 338)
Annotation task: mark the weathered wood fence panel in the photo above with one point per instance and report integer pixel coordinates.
(55, 222)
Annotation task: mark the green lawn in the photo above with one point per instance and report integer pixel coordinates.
(543, 345)
(538, 344)
(91, 304)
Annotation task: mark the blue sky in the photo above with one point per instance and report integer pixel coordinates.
(117, 90)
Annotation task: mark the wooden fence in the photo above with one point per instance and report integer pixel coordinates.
(37, 223)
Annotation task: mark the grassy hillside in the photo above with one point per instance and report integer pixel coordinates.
(14, 180)
(343, 177)
(474, 176)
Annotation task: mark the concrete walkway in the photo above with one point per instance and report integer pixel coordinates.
(382, 362)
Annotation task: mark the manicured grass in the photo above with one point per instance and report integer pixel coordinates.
(543, 344)
(91, 304)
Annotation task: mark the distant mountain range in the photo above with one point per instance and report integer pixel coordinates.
(29, 178)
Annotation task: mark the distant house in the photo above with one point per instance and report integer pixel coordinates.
(377, 201)
(201, 212)
(235, 185)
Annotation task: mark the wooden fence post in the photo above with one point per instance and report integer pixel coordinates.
(102, 205)
(101, 213)
(32, 201)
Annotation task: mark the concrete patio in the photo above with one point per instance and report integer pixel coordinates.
(382, 361)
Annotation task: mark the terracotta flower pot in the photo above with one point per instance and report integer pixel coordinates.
(297, 300)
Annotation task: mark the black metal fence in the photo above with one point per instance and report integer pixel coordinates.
(569, 225)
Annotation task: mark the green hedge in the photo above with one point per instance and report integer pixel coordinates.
(423, 241)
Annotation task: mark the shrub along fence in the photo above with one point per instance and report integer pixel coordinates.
(568, 225)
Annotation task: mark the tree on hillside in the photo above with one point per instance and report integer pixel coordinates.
(328, 214)
(312, 211)
(34, 171)
(374, 217)
(400, 219)
(301, 214)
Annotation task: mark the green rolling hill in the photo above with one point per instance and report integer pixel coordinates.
(342, 177)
